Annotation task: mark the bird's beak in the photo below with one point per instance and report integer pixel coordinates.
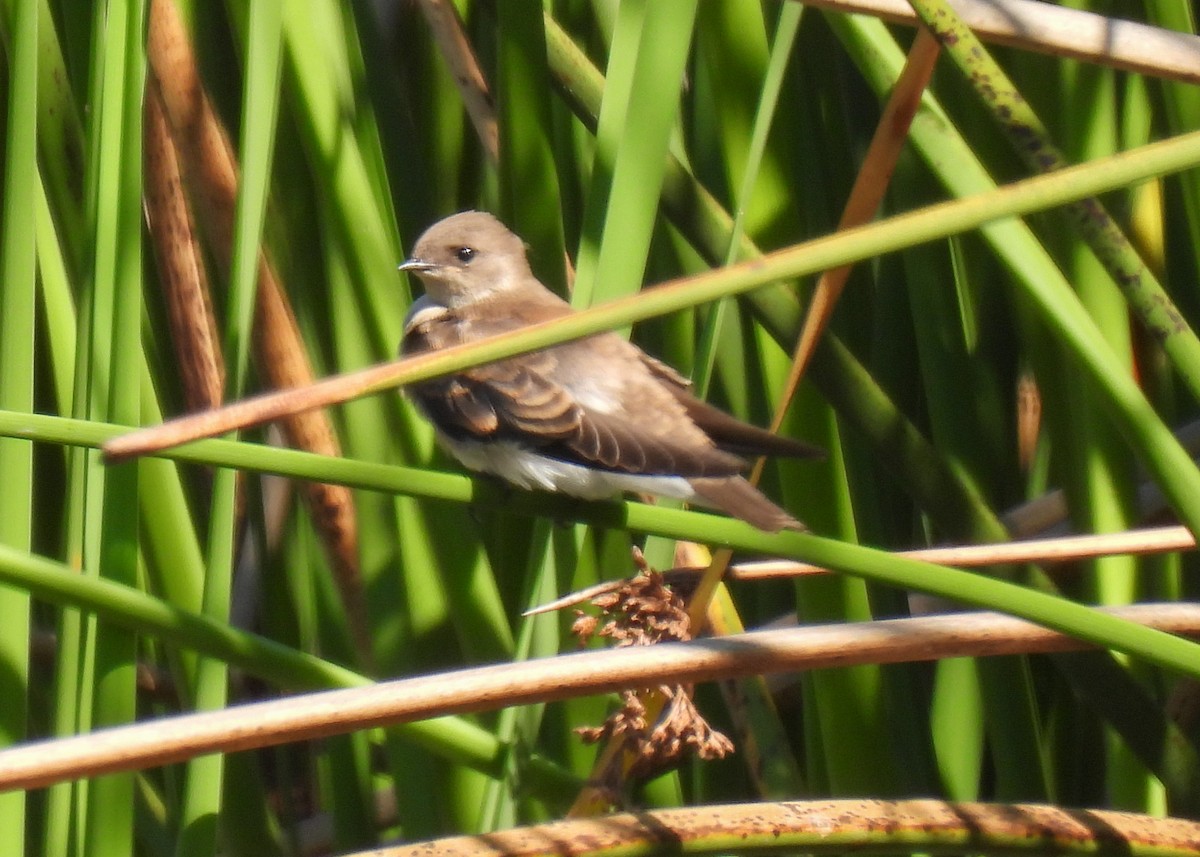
(416, 266)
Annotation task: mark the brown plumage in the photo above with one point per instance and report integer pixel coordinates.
(588, 417)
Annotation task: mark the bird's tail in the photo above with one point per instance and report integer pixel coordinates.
(739, 498)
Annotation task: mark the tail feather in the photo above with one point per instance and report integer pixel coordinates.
(742, 500)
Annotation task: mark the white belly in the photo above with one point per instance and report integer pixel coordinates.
(527, 469)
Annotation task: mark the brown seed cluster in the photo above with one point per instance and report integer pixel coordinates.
(642, 612)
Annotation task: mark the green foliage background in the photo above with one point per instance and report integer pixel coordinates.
(719, 129)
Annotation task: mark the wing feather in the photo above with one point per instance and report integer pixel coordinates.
(518, 399)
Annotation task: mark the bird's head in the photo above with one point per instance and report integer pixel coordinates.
(468, 257)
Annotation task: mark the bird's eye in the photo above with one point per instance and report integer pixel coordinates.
(465, 254)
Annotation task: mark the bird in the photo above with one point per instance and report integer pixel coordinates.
(590, 418)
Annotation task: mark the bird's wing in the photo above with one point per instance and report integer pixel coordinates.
(727, 432)
(522, 399)
(731, 434)
(665, 372)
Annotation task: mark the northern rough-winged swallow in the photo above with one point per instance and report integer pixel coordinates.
(589, 418)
